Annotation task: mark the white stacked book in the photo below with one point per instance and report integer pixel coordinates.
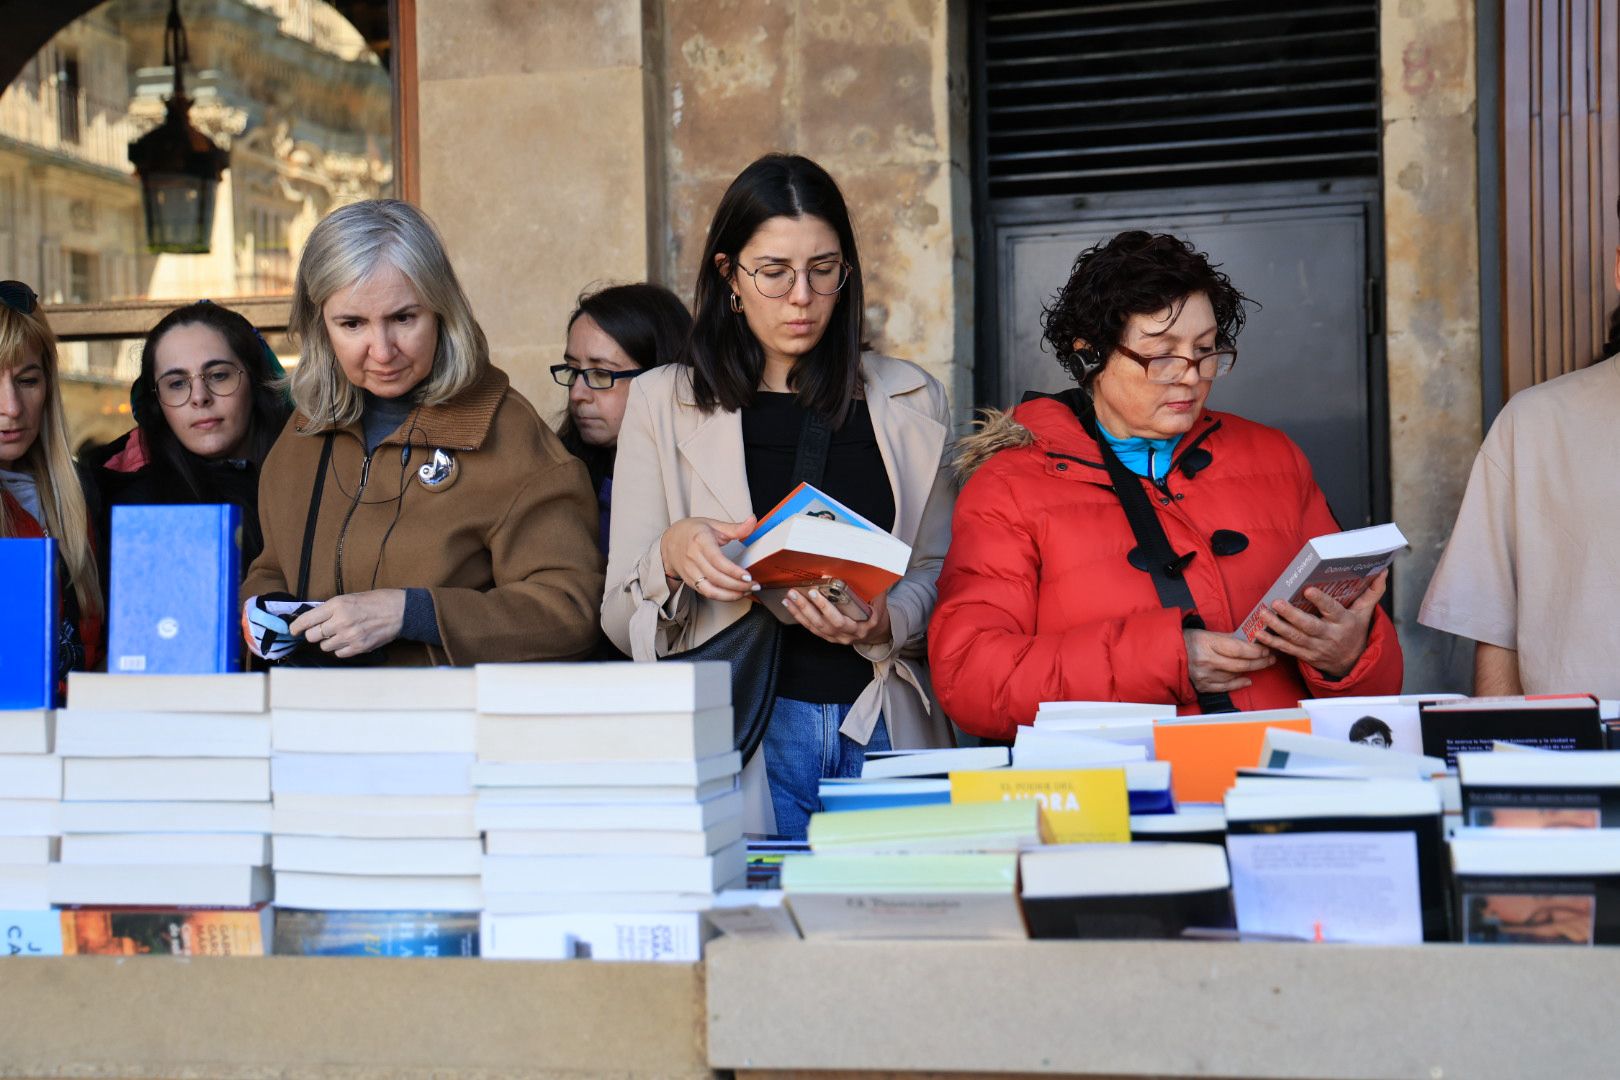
(165, 791)
(30, 794)
(608, 798)
(373, 798)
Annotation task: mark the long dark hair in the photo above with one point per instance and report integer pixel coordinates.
(651, 325)
(726, 358)
(266, 417)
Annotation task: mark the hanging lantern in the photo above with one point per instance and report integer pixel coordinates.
(179, 166)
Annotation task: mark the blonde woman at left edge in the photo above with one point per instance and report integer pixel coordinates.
(40, 490)
(453, 528)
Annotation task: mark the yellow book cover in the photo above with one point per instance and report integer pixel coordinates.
(1079, 806)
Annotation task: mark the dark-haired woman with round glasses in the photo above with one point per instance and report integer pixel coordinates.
(207, 409)
(614, 335)
(1050, 593)
(709, 446)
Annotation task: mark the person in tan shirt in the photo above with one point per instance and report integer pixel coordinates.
(1529, 573)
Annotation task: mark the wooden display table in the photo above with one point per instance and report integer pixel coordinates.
(1163, 1009)
(359, 1019)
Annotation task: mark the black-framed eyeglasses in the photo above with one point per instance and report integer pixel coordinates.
(221, 379)
(1169, 369)
(18, 297)
(595, 377)
(776, 280)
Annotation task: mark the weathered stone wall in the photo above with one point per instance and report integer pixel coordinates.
(1432, 268)
(536, 161)
(866, 88)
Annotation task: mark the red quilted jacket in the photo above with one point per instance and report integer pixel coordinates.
(1038, 603)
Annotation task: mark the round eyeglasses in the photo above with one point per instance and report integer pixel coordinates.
(220, 379)
(596, 378)
(1169, 369)
(776, 280)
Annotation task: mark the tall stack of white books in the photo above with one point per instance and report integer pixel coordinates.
(373, 799)
(608, 795)
(165, 791)
(30, 794)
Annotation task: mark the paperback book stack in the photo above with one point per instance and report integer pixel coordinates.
(608, 795)
(165, 791)
(945, 871)
(373, 800)
(30, 790)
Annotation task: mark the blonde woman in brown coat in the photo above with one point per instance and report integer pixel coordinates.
(451, 525)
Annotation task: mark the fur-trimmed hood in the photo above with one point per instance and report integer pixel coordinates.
(993, 432)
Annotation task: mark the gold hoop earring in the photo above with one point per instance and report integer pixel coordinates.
(736, 304)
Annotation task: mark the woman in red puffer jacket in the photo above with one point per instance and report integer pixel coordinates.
(1040, 597)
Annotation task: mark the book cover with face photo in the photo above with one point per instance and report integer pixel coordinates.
(1575, 790)
(1389, 722)
(1537, 887)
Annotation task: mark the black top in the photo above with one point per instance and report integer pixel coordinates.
(813, 669)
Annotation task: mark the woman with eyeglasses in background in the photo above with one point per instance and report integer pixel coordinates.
(207, 410)
(709, 446)
(1047, 593)
(41, 492)
(614, 335)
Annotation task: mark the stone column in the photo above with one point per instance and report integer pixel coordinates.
(1431, 236)
(539, 161)
(872, 90)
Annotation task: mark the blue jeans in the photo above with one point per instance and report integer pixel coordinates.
(802, 745)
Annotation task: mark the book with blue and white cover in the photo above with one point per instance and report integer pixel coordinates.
(28, 624)
(175, 574)
(807, 500)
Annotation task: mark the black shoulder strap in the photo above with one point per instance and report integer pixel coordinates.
(314, 516)
(1164, 566)
(810, 460)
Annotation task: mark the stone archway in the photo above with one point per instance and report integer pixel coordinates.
(29, 25)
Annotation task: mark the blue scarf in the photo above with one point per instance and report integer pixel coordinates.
(1149, 458)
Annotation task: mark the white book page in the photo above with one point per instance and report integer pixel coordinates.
(1332, 886)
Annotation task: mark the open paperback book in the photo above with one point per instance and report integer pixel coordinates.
(810, 540)
(1341, 564)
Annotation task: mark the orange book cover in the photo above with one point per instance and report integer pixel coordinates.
(786, 569)
(1205, 754)
(173, 932)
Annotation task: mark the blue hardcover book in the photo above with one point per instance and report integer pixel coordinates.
(808, 500)
(376, 933)
(175, 574)
(30, 933)
(28, 627)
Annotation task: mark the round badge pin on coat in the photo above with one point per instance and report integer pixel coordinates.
(440, 472)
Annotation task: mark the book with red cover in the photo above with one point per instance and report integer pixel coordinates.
(1341, 564)
(804, 549)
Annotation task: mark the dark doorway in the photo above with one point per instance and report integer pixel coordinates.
(1253, 134)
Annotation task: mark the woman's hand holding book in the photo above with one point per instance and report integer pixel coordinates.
(691, 552)
(818, 615)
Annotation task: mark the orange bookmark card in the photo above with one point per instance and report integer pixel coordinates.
(1205, 752)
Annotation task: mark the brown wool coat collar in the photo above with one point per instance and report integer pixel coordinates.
(462, 423)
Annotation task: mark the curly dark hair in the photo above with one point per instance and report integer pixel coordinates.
(1135, 273)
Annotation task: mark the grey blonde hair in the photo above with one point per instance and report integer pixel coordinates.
(49, 460)
(345, 249)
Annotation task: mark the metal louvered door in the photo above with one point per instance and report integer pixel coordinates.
(1249, 128)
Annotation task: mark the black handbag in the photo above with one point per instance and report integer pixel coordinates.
(753, 644)
(307, 654)
(1163, 565)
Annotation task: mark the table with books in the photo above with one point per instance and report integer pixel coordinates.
(517, 824)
